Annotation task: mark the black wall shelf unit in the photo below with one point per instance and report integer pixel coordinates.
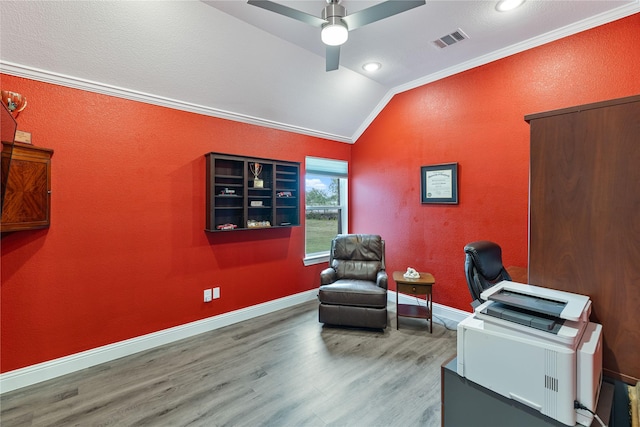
(236, 202)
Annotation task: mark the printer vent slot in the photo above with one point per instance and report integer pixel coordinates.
(550, 382)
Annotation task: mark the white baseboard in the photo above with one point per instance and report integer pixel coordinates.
(34, 374)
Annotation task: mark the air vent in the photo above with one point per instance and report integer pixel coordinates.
(550, 383)
(449, 39)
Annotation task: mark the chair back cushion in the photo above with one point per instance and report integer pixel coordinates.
(357, 256)
(483, 266)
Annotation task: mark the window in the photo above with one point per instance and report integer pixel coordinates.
(325, 206)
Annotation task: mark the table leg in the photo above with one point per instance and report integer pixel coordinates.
(430, 305)
(397, 309)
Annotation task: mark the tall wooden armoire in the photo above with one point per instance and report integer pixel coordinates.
(584, 218)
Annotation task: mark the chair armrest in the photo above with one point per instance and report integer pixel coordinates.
(382, 279)
(327, 276)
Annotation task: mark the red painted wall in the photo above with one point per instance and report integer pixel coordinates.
(126, 253)
(476, 118)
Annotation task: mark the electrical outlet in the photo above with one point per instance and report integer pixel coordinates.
(216, 293)
(207, 295)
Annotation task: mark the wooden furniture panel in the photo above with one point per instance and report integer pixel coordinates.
(232, 197)
(287, 187)
(584, 221)
(27, 200)
(518, 274)
(420, 286)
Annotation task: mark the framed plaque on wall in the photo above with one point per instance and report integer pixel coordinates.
(439, 183)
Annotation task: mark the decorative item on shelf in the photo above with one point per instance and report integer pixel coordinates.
(411, 273)
(227, 227)
(14, 101)
(284, 194)
(22, 136)
(256, 169)
(227, 192)
(252, 223)
(256, 203)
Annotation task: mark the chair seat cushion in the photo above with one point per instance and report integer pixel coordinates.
(358, 293)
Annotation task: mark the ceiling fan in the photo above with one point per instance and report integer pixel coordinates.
(336, 24)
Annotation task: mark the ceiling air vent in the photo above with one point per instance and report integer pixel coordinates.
(449, 39)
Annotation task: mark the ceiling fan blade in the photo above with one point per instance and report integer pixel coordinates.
(378, 12)
(288, 12)
(333, 57)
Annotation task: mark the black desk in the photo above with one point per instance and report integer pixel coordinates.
(465, 403)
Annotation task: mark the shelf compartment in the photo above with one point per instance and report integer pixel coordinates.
(236, 175)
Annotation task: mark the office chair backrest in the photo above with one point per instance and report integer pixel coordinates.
(483, 267)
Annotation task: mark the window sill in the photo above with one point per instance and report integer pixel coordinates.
(316, 259)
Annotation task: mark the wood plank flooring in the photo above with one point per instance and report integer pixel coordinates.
(281, 369)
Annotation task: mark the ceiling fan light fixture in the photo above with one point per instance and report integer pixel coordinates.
(506, 5)
(334, 33)
(334, 22)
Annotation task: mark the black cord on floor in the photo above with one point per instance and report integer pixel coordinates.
(578, 405)
(433, 316)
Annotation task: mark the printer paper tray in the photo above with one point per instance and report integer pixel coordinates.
(568, 335)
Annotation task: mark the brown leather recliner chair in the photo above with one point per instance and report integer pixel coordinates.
(353, 289)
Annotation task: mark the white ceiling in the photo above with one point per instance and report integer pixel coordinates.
(233, 60)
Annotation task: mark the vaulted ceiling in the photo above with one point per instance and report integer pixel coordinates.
(233, 60)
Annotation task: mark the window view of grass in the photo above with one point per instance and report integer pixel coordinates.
(320, 232)
(323, 212)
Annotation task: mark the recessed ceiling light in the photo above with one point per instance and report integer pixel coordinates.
(505, 5)
(372, 66)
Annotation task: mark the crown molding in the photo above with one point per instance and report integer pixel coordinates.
(32, 73)
(569, 30)
(105, 89)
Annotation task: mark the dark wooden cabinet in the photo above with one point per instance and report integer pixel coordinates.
(584, 219)
(27, 199)
(236, 202)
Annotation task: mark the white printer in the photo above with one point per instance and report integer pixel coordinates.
(536, 346)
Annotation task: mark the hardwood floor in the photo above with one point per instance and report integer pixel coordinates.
(281, 369)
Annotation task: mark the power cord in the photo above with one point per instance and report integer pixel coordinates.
(578, 405)
(433, 316)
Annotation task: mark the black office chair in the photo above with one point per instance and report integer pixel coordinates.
(483, 268)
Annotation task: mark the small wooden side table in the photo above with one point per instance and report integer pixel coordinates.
(419, 286)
